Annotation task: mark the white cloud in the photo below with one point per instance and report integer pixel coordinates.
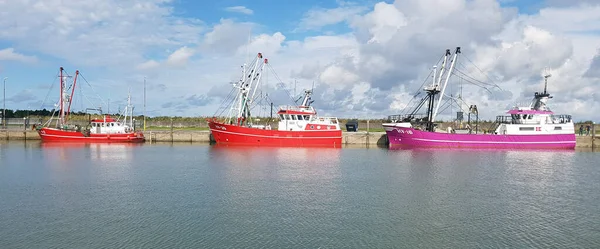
(372, 70)
(226, 36)
(96, 32)
(9, 54)
(320, 17)
(383, 22)
(180, 57)
(240, 9)
(148, 65)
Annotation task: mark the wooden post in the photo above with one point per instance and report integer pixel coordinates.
(367, 132)
(593, 135)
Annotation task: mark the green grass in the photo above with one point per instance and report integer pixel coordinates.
(166, 128)
(163, 128)
(370, 129)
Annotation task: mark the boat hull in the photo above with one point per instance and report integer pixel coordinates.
(406, 137)
(57, 135)
(238, 135)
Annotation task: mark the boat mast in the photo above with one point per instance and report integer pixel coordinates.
(130, 107)
(546, 83)
(62, 112)
(72, 93)
(258, 80)
(446, 81)
(245, 92)
(540, 99)
(250, 98)
(432, 91)
(443, 68)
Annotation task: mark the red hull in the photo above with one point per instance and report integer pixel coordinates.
(238, 135)
(56, 135)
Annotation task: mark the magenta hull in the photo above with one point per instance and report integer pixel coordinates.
(411, 138)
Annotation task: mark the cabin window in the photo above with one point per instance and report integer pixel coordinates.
(118, 124)
(112, 124)
(306, 117)
(526, 128)
(530, 116)
(300, 117)
(293, 117)
(102, 124)
(93, 124)
(524, 116)
(557, 128)
(281, 117)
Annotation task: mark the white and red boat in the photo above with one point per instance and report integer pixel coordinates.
(297, 126)
(105, 129)
(533, 126)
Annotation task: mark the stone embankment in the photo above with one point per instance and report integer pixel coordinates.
(348, 138)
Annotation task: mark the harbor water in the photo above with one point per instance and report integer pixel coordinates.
(207, 196)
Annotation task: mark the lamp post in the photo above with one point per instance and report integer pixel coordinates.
(4, 105)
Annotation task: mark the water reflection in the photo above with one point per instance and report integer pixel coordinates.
(262, 180)
(287, 156)
(100, 152)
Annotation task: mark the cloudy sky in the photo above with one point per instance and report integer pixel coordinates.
(366, 58)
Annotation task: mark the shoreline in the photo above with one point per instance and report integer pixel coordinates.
(203, 136)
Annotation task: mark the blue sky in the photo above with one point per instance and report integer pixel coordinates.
(187, 49)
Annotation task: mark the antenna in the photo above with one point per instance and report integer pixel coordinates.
(248, 43)
(546, 82)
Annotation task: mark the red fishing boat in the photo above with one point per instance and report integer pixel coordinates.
(298, 125)
(105, 129)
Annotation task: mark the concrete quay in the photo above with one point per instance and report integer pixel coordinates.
(354, 138)
(348, 138)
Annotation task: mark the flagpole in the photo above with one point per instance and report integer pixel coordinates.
(144, 103)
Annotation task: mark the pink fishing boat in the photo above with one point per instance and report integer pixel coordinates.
(532, 126)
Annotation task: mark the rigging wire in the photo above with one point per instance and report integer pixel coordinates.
(418, 91)
(476, 80)
(49, 91)
(494, 83)
(281, 84)
(88, 83)
(222, 107)
(476, 83)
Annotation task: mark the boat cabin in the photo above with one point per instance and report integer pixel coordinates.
(108, 125)
(304, 118)
(526, 121)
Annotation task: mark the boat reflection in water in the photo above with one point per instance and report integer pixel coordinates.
(71, 151)
(306, 161)
(266, 179)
